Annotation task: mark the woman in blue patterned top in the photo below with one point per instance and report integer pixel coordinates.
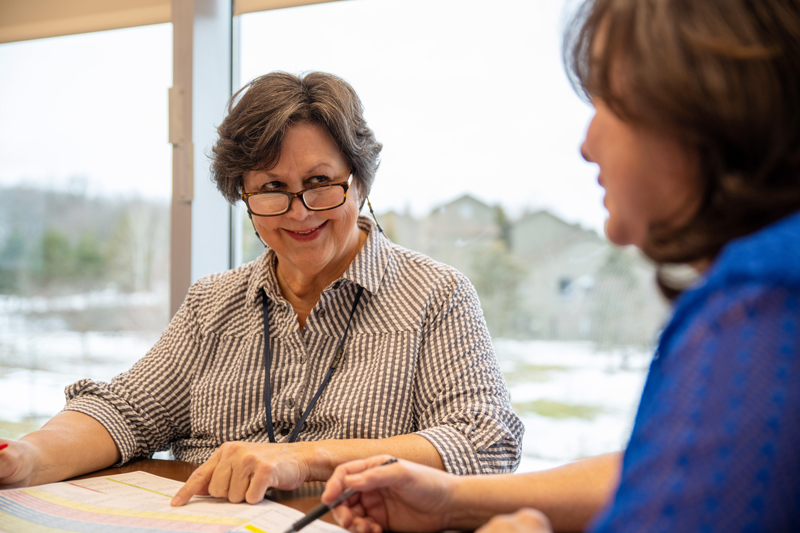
(697, 138)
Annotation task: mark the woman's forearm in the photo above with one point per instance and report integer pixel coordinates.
(324, 456)
(70, 444)
(569, 495)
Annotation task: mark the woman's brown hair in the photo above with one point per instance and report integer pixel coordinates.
(250, 137)
(721, 75)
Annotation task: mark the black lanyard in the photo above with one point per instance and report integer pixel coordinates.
(268, 361)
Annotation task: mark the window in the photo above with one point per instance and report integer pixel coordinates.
(85, 186)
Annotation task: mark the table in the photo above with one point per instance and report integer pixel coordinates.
(304, 498)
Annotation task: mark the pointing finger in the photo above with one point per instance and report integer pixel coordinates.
(197, 482)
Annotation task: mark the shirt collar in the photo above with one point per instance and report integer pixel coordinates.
(366, 270)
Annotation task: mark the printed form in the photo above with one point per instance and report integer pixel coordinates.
(137, 502)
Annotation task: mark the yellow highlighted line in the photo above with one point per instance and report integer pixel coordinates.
(138, 487)
(254, 529)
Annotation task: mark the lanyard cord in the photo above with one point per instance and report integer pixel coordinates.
(268, 361)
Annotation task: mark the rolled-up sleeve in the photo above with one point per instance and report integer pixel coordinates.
(462, 400)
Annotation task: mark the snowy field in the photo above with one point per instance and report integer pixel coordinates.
(574, 401)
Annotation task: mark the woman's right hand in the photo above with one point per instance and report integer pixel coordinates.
(401, 496)
(16, 464)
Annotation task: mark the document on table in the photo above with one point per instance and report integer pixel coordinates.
(137, 502)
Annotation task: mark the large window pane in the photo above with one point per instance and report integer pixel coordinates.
(481, 169)
(85, 184)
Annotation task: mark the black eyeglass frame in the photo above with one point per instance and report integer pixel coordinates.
(292, 195)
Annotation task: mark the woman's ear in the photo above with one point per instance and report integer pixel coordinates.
(357, 196)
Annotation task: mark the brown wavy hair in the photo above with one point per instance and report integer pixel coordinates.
(722, 75)
(250, 137)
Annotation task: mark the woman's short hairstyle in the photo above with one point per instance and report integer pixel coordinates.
(721, 75)
(250, 137)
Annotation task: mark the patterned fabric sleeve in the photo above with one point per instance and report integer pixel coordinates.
(145, 408)
(716, 440)
(461, 396)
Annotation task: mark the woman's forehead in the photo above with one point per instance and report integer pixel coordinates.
(305, 148)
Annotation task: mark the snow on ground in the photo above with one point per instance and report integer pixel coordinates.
(98, 355)
(32, 395)
(608, 384)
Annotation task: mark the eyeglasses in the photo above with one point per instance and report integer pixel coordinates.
(318, 198)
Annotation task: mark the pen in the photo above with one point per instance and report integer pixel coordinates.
(320, 510)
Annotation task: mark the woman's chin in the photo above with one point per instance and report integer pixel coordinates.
(617, 235)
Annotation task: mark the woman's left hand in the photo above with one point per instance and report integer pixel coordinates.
(523, 521)
(242, 471)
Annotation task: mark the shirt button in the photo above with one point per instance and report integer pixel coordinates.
(289, 402)
(321, 313)
(302, 359)
(285, 431)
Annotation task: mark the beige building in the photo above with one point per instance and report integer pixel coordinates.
(578, 286)
(540, 277)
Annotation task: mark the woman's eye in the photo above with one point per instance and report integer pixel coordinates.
(273, 186)
(318, 180)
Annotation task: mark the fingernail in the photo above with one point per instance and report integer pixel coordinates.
(3, 446)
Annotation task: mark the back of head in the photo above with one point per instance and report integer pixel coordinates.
(251, 135)
(722, 76)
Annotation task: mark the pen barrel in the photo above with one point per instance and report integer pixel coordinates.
(317, 512)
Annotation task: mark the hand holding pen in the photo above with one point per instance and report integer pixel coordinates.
(390, 495)
(322, 509)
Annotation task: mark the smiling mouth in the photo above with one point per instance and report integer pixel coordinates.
(307, 232)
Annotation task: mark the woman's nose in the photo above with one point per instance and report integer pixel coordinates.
(298, 210)
(586, 145)
(585, 152)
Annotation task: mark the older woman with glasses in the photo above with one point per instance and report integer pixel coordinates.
(334, 345)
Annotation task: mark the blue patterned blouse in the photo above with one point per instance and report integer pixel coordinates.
(716, 443)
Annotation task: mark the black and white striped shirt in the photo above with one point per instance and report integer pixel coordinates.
(418, 359)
